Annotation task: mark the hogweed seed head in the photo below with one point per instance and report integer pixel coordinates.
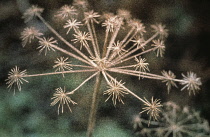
(82, 37)
(138, 25)
(138, 41)
(91, 16)
(141, 65)
(30, 13)
(116, 91)
(152, 108)
(72, 24)
(15, 78)
(66, 12)
(61, 64)
(125, 14)
(47, 44)
(160, 29)
(62, 98)
(191, 82)
(117, 48)
(169, 79)
(110, 23)
(160, 47)
(29, 34)
(111, 54)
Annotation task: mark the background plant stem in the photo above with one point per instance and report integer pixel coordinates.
(94, 105)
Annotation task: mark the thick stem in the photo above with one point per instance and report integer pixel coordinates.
(94, 106)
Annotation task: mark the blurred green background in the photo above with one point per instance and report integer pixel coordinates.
(29, 113)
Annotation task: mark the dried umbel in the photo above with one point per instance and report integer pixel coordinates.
(175, 121)
(99, 57)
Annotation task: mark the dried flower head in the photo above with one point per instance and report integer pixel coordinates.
(138, 25)
(61, 64)
(33, 11)
(15, 78)
(72, 24)
(160, 29)
(169, 79)
(110, 23)
(91, 16)
(82, 37)
(141, 65)
(29, 34)
(111, 52)
(191, 82)
(116, 91)
(152, 108)
(160, 47)
(66, 12)
(47, 44)
(138, 41)
(117, 48)
(61, 97)
(124, 14)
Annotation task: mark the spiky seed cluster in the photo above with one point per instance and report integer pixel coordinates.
(117, 48)
(152, 108)
(72, 24)
(109, 55)
(61, 97)
(47, 44)
(91, 16)
(15, 77)
(141, 65)
(160, 47)
(124, 14)
(116, 91)
(139, 26)
(82, 38)
(159, 28)
(191, 82)
(169, 79)
(32, 12)
(66, 12)
(62, 64)
(110, 23)
(29, 34)
(175, 121)
(138, 41)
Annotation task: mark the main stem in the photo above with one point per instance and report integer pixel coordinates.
(94, 105)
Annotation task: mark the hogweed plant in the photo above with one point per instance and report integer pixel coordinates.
(175, 121)
(100, 58)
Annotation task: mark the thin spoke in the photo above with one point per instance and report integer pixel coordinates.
(63, 72)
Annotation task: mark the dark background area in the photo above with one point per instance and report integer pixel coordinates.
(29, 113)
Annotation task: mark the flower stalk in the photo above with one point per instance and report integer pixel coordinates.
(94, 106)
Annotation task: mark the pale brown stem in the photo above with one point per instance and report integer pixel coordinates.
(95, 38)
(105, 44)
(92, 39)
(94, 106)
(72, 92)
(63, 72)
